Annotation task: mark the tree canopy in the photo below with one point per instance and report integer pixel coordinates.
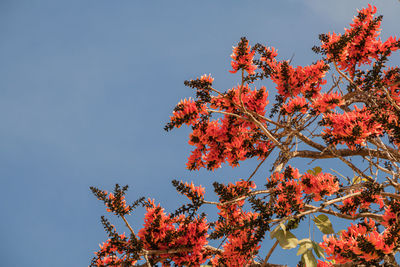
(353, 118)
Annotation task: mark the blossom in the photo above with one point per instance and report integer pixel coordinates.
(292, 81)
(163, 232)
(242, 58)
(295, 104)
(321, 184)
(186, 112)
(193, 191)
(287, 189)
(351, 128)
(360, 43)
(207, 78)
(352, 204)
(359, 241)
(327, 101)
(226, 140)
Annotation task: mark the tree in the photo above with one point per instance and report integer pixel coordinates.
(355, 120)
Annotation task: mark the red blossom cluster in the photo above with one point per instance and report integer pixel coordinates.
(242, 58)
(297, 104)
(292, 81)
(192, 191)
(392, 214)
(360, 43)
(226, 139)
(363, 201)
(236, 250)
(359, 241)
(110, 253)
(320, 185)
(287, 189)
(162, 232)
(117, 205)
(187, 112)
(351, 128)
(326, 102)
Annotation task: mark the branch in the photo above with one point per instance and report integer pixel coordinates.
(264, 264)
(128, 225)
(340, 152)
(254, 193)
(376, 217)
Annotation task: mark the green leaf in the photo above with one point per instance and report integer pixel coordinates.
(324, 224)
(311, 172)
(318, 250)
(309, 259)
(359, 179)
(304, 245)
(317, 170)
(286, 239)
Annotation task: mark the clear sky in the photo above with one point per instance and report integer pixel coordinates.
(86, 87)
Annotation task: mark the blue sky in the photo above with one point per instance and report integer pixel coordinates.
(87, 86)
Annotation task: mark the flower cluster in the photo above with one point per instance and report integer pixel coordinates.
(360, 243)
(351, 128)
(353, 204)
(359, 44)
(292, 81)
(110, 253)
(297, 104)
(242, 57)
(194, 193)
(229, 139)
(186, 112)
(161, 233)
(286, 188)
(115, 202)
(320, 185)
(327, 101)
(392, 214)
(241, 245)
(236, 250)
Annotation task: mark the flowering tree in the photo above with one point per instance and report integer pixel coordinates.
(356, 116)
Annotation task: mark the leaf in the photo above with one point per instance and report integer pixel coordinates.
(304, 245)
(317, 170)
(359, 179)
(283, 227)
(324, 224)
(286, 239)
(273, 232)
(318, 250)
(309, 259)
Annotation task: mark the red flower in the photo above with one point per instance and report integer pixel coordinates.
(351, 244)
(351, 128)
(242, 58)
(296, 104)
(327, 101)
(322, 184)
